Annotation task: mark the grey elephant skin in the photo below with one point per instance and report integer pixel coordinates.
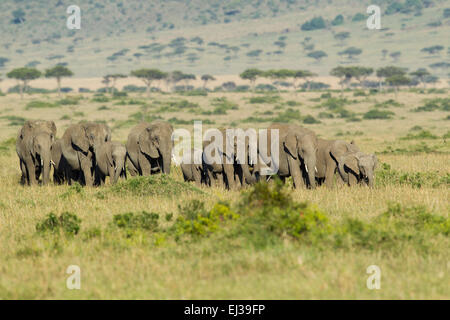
(328, 154)
(297, 153)
(228, 170)
(149, 148)
(61, 170)
(79, 144)
(192, 169)
(358, 168)
(110, 160)
(33, 146)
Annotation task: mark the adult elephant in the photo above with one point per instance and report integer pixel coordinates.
(328, 153)
(297, 148)
(33, 145)
(149, 148)
(79, 144)
(357, 167)
(223, 161)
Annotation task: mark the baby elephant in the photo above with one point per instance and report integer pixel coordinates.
(110, 158)
(193, 168)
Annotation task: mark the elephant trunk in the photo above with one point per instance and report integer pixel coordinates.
(166, 160)
(120, 165)
(310, 165)
(46, 162)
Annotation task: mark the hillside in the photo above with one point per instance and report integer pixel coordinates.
(220, 37)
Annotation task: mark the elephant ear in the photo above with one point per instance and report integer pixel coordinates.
(80, 139)
(375, 161)
(290, 145)
(351, 162)
(146, 145)
(51, 125)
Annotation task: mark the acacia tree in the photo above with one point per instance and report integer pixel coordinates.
(58, 72)
(389, 71)
(317, 55)
(186, 78)
(278, 75)
(148, 76)
(301, 74)
(350, 52)
(397, 80)
(361, 73)
(24, 76)
(205, 78)
(420, 75)
(345, 74)
(251, 75)
(114, 78)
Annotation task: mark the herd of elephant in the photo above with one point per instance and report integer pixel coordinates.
(86, 154)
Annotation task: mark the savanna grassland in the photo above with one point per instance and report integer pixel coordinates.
(162, 238)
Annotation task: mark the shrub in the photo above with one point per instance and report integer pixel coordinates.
(67, 222)
(196, 221)
(378, 114)
(287, 116)
(387, 176)
(310, 120)
(265, 99)
(39, 105)
(101, 99)
(69, 101)
(326, 115)
(143, 220)
(314, 24)
(424, 134)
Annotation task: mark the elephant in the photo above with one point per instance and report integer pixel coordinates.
(230, 170)
(193, 170)
(110, 159)
(33, 145)
(357, 167)
(149, 148)
(61, 169)
(328, 153)
(297, 147)
(79, 145)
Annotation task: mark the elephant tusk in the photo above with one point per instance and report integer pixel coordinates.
(315, 168)
(306, 167)
(52, 162)
(42, 162)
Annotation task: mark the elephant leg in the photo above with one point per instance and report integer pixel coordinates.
(197, 176)
(112, 174)
(86, 167)
(132, 169)
(145, 165)
(23, 168)
(329, 175)
(295, 172)
(228, 173)
(31, 171)
(352, 180)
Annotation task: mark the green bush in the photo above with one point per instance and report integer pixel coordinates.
(196, 221)
(39, 105)
(143, 220)
(310, 120)
(423, 134)
(101, 99)
(67, 222)
(378, 114)
(265, 99)
(69, 101)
